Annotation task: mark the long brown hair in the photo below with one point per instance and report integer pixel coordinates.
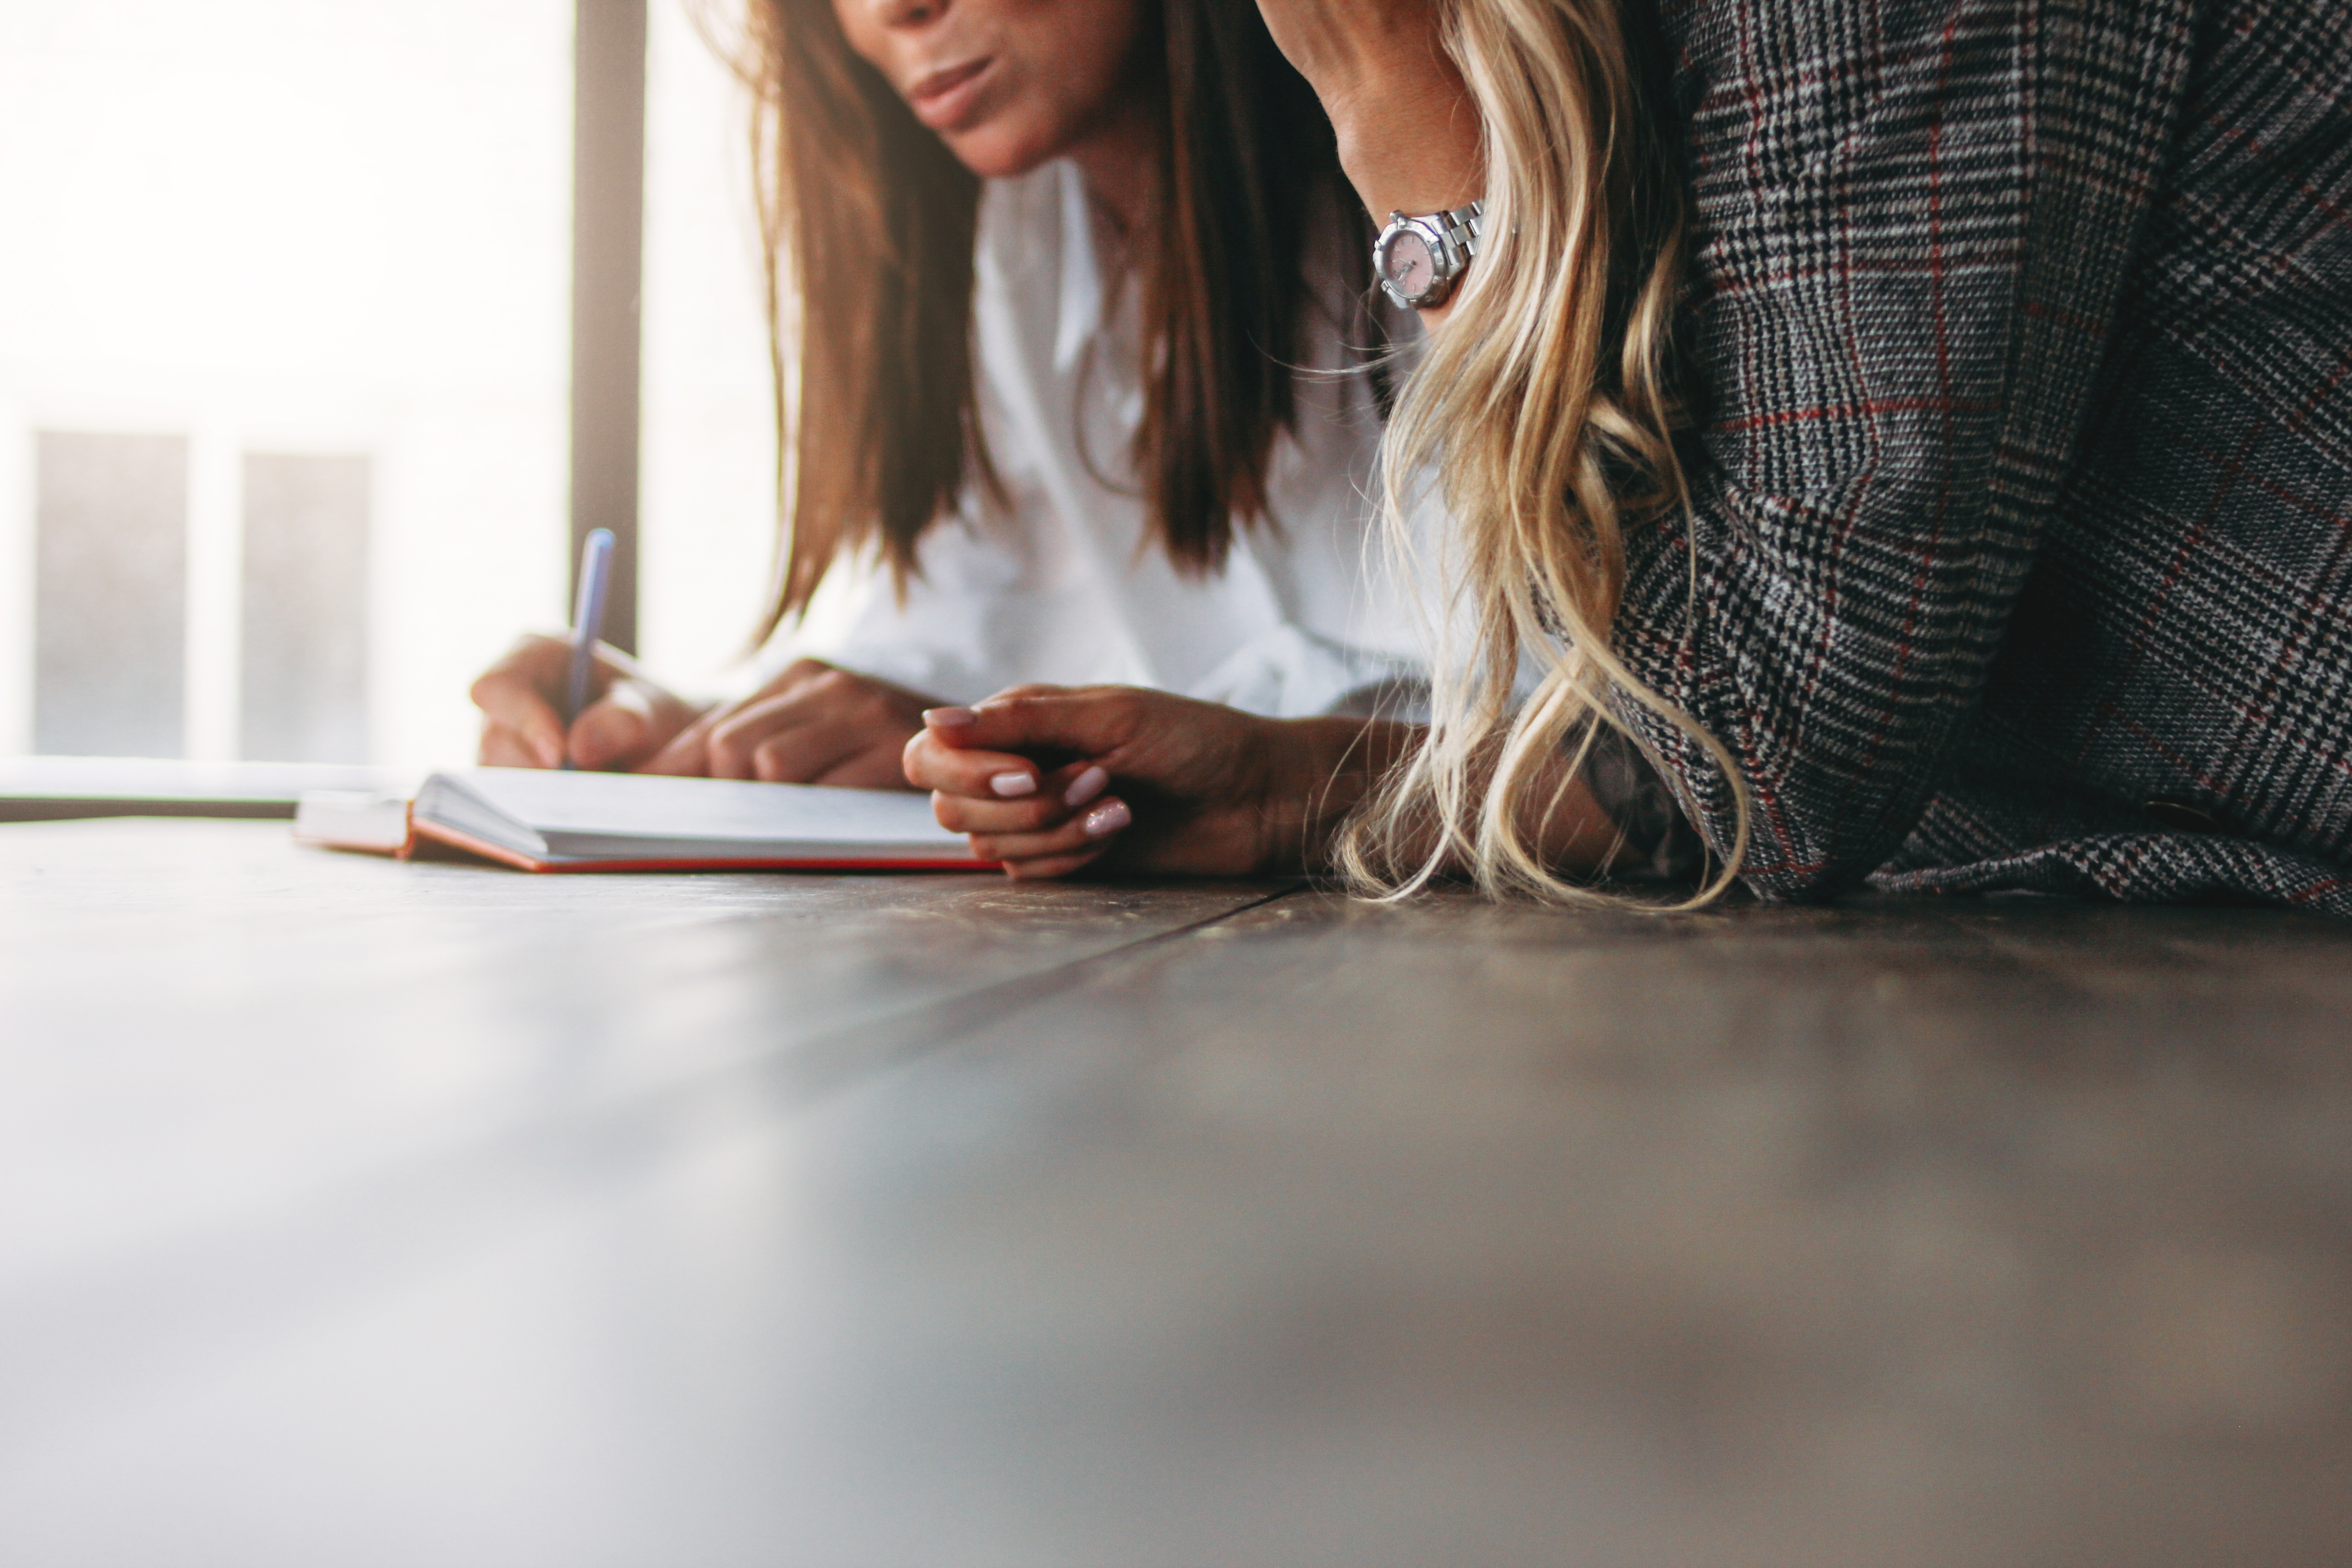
(869, 222)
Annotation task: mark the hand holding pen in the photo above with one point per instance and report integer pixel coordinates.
(571, 702)
(568, 702)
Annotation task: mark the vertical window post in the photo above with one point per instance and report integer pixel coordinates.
(608, 189)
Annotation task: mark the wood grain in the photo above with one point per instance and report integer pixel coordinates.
(357, 1212)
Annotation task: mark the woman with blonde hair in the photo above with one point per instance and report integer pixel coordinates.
(1064, 297)
(1914, 436)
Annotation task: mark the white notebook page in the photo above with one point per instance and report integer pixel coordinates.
(707, 811)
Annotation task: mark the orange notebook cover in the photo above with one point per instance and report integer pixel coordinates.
(539, 820)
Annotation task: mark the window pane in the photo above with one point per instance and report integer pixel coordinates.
(708, 478)
(111, 603)
(322, 248)
(304, 694)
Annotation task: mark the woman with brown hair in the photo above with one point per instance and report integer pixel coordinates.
(1065, 294)
(1914, 436)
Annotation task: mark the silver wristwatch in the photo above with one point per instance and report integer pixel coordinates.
(1420, 258)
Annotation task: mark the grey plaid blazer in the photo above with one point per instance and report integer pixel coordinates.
(2025, 514)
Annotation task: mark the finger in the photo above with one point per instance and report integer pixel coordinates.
(688, 751)
(615, 732)
(688, 755)
(519, 692)
(1088, 722)
(804, 753)
(538, 660)
(732, 745)
(874, 767)
(511, 700)
(1049, 867)
(933, 765)
(1087, 834)
(797, 673)
(838, 723)
(1064, 791)
(502, 748)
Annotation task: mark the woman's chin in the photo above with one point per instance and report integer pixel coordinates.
(1004, 152)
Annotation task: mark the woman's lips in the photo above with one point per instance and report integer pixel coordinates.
(945, 97)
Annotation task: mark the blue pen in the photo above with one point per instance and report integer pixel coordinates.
(587, 620)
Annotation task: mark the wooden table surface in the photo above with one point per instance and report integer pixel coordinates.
(356, 1213)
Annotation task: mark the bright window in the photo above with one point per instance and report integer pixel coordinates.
(283, 358)
(708, 479)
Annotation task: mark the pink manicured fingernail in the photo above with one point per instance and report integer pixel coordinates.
(1013, 784)
(949, 718)
(1108, 817)
(1084, 787)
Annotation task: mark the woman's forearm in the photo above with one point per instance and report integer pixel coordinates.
(1325, 771)
(1331, 766)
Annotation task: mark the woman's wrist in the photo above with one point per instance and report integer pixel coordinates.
(1316, 772)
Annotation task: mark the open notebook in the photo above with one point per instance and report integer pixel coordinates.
(548, 821)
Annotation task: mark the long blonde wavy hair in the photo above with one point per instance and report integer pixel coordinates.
(1547, 409)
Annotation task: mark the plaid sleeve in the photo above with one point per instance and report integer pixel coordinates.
(1913, 217)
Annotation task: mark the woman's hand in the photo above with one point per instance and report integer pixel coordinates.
(629, 718)
(1337, 43)
(1048, 779)
(811, 724)
(1408, 134)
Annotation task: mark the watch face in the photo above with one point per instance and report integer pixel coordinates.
(1407, 266)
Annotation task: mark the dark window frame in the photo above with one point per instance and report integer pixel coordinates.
(608, 205)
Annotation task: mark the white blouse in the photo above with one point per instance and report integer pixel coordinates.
(1060, 583)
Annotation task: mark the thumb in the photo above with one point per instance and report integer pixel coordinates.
(614, 732)
(510, 703)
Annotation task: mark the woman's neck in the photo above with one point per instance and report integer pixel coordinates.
(1121, 162)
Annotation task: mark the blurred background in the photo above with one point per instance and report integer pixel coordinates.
(286, 361)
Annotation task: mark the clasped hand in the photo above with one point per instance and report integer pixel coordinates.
(1050, 779)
